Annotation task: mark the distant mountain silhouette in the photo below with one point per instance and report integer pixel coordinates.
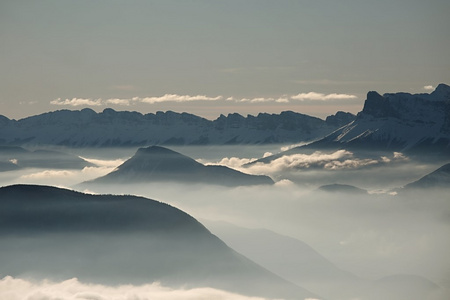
(288, 257)
(155, 163)
(439, 178)
(14, 157)
(54, 233)
(342, 188)
(111, 128)
(403, 287)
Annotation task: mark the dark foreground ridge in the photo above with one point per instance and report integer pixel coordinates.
(54, 233)
(157, 164)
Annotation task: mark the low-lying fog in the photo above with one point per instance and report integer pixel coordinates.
(371, 235)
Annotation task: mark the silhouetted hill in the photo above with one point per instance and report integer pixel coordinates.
(342, 188)
(155, 163)
(48, 232)
(14, 157)
(111, 128)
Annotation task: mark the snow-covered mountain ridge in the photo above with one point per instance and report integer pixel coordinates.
(112, 128)
(398, 122)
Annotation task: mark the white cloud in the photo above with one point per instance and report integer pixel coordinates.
(284, 183)
(282, 100)
(128, 101)
(322, 97)
(104, 162)
(18, 289)
(77, 102)
(232, 162)
(46, 174)
(285, 148)
(176, 98)
(351, 164)
(117, 101)
(257, 100)
(339, 160)
(428, 87)
(266, 154)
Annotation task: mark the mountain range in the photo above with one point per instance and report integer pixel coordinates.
(110, 128)
(159, 164)
(54, 233)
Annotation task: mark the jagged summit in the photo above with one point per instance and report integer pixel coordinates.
(156, 164)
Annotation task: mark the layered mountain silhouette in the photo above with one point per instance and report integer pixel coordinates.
(14, 158)
(156, 164)
(111, 128)
(54, 233)
(439, 178)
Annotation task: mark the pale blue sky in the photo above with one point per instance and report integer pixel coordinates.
(257, 54)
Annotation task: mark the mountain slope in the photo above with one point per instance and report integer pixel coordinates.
(155, 163)
(54, 233)
(86, 128)
(439, 178)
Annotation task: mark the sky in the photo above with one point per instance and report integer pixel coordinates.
(218, 57)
